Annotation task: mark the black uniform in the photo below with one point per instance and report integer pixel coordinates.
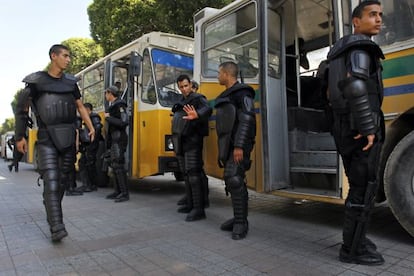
(117, 141)
(87, 161)
(17, 155)
(356, 93)
(188, 145)
(53, 101)
(236, 128)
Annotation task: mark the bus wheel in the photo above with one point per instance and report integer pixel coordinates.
(179, 176)
(399, 182)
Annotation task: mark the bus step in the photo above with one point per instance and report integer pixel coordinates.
(313, 170)
(328, 159)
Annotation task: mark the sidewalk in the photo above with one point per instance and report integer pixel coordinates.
(146, 236)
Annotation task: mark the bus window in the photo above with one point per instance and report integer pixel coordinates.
(237, 34)
(398, 22)
(93, 87)
(148, 94)
(167, 67)
(120, 78)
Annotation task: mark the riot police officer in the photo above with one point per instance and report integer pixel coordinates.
(355, 94)
(236, 131)
(54, 97)
(117, 141)
(190, 125)
(89, 149)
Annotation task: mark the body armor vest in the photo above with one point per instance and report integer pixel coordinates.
(338, 59)
(55, 106)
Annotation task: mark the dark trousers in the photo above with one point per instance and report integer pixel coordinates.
(361, 170)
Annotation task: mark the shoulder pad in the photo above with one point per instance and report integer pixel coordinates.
(238, 87)
(70, 77)
(359, 41)
(360, 64)
(34, 77)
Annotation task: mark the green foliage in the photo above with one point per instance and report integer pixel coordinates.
(84, 52)
(16, 96)
(177, 16)
(8, 125)
(114, 23)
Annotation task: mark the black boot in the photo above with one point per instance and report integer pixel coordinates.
(16, 167)
(197, 212)
(116, 192)
(53, 205)
(205, 190)
(239, 198)
(10, 166)
(123, 186)
(182, 201)
(70, 182)
(365, 252)
(227, 225)
(83, 174)
(188, 206)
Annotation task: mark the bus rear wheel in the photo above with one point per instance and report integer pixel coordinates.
(399, 182)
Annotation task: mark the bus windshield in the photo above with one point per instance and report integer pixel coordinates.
(167, 67)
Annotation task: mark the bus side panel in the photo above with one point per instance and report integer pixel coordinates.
(135, 149)
(153, 125)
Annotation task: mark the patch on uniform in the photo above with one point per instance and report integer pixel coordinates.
(122, 109)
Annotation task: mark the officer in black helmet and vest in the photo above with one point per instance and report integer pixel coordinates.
(117, 141)
(54, 97)
(355, 93)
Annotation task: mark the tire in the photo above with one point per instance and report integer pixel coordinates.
(399, 182)
(179, 176)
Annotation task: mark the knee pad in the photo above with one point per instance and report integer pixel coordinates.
(235, 183)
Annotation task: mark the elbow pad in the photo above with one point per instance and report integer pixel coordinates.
(21, 114)
(246, 129)
(204, 112)
(356, 92)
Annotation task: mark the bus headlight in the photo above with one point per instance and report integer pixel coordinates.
(169, 146)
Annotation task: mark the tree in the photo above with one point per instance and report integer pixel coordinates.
(177, 16)
(84, 51)
(8, 125)
(114, 23)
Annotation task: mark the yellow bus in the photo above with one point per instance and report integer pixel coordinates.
(295, 155)
(146, 70)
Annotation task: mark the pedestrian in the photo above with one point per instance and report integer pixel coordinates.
(236, 131)
(89, 149)
(189, 127)
(356, 94)
(54, 97)
(17, 156)
(117, 141)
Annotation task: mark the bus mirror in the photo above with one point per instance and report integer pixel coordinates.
(135, 64)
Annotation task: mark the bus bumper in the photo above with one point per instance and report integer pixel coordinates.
(168, 164)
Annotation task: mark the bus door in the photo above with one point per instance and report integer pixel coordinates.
(296, 101)
(273, 99)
